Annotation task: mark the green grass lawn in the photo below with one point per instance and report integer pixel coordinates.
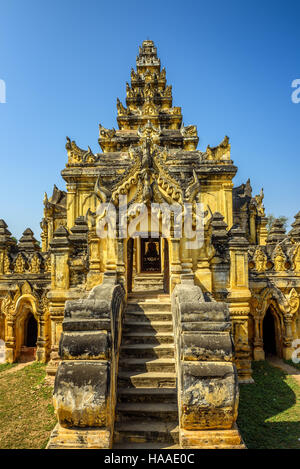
(26, 411)
(269, 410)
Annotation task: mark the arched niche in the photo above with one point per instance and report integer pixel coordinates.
(272, 330)
(26, 328)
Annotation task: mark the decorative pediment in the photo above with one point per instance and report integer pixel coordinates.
(261, 301)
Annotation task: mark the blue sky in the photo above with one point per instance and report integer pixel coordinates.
(64, 62)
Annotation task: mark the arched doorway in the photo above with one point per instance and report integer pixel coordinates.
(27, 334)
(269, 334)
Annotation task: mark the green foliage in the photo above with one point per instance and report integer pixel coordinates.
(269, 410)
(271, 218)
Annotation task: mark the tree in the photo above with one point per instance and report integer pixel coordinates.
(271, 218)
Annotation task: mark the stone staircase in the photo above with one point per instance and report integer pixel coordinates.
(147, 411)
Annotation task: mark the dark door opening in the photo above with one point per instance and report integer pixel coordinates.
(269, 334)
(31, 330)
(150, 255)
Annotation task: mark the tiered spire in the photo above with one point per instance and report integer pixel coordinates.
(147, 58)
(219, 228)
(79, 232)
(28, 242)
(277, 232)
(5, 235)
(295, 231)
(148, 99)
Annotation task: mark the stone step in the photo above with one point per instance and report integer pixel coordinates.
(166, 365)
(148, 316)
(168, 395)
(145, 279)
(149, 296)
(152, 287)
(147, 350)
(141, 446)
(148, 279)
(143, 380)
(149, 275)
(148, 282)
(147, 306)
(151, 305)
(142, 411)
(144, 326)
(147, 338)
(145, 432)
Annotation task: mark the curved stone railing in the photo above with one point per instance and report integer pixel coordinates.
(207, 378)
(85, 383)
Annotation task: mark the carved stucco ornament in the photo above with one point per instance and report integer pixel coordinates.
(296, 258)
(260, 260)
(261, 301)
(77, 155)
(293, 299)
(279, 259)
(8, 305)
(149, 133)
(6, 264)
(220, 152)
(26, 288)
(20, 264)
(35, 265)
(259, 203)
(48, 264)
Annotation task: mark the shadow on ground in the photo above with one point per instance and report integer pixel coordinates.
(269, 410)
